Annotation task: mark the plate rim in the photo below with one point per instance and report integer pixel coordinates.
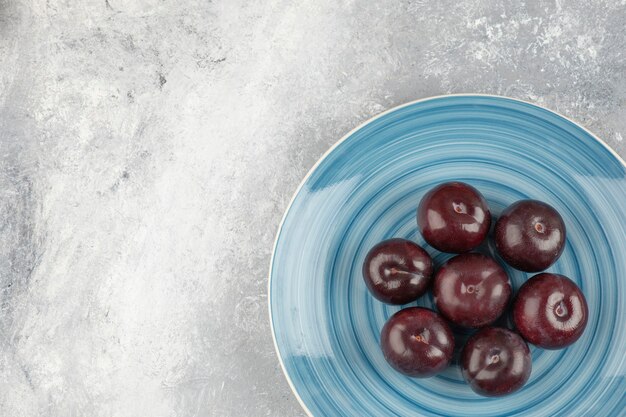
(339, 142)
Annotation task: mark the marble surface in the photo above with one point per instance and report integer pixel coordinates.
(148, 149)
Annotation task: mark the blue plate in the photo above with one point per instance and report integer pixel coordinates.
(326, 325)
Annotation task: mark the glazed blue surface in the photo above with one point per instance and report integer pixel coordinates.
(327, 326)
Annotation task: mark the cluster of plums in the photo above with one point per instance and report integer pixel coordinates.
(472, 290)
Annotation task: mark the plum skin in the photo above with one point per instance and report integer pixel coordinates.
(550, 311)
(471, 290)
(453, 217)
(397, 271)
(417, 342)
(496, 362)
(530, 235)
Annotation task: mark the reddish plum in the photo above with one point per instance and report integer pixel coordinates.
(550, 311)
(495, 362)
(417, 342)
(453, 217)
(530, 235)
(471, 290)
(397, 271)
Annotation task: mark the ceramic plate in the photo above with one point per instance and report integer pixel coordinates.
(326, 325)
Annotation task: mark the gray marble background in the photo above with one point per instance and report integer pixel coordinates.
(148, 149)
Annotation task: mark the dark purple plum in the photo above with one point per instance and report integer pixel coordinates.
(453, 217)
(397, 271)
(471, 290)
(495, 362)
(550, 311)
(417, 342)
(530, 235)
